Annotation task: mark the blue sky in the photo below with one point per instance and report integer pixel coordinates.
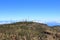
(38, 10)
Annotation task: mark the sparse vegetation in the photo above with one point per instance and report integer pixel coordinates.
(28, 31)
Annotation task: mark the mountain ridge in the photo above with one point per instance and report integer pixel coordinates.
(29, 31)
(52, 23)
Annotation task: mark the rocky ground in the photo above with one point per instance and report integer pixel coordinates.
(29, 31)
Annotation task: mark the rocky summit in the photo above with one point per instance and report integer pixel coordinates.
(29, 31)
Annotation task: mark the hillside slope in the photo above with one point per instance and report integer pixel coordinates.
(28, 31)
